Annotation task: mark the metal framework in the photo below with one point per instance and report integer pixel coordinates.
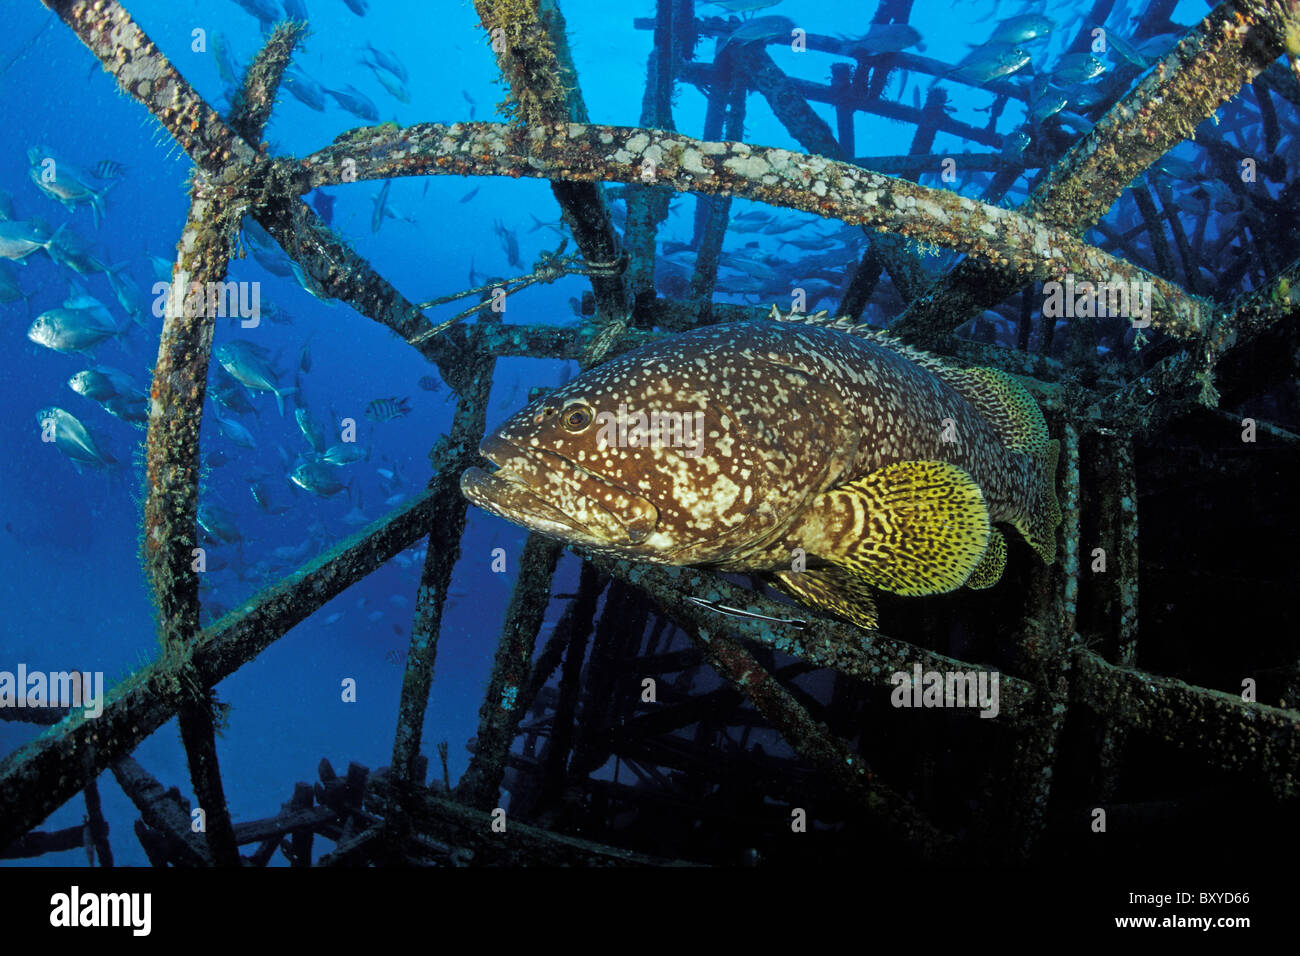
(620, 626)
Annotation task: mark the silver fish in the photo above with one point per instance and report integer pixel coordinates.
(19, 239)
(990, 63)
(65, 183)
(70, 250)
(227, 68)
(162, 268)
(249, 364)
(318, 477)
(379, 202)
(128, 294)
(72, 438)
(219, 523)
(266, 11)
(234, 431)
(388, 60)
(345, 453)
(80, 324)
(885, 38)
(310, 429)
(304, 89)
(132, 407)
(355, 102)
(759, 30)
(1023, 28)
(1077, 68)
(101, 383)
(1049, 104)
(395, 87)
(510, 244)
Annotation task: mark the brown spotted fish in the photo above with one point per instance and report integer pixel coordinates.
(826, 455)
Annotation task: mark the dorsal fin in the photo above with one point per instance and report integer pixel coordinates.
(996, 394)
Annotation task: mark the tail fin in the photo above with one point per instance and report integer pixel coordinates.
(1039, 528)
(98, 206)
(1018, 419)
(279, 398)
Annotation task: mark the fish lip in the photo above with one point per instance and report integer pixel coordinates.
(506, 495)
(502, 490)
(529, 502)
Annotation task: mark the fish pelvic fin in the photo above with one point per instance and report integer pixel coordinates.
(1039, 526)
(832, 590)
(912, 528)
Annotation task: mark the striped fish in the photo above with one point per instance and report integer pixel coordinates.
(108, 169)
(829, 457)
(386, 409)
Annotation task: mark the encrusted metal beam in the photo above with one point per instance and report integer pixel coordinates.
(532, 51)
(581, 153)
(1239, 737)
(38, 778)
(450, 457)
(1237, 40)
(501, 711)
(868, 656)
(518, 844)
(1184, 381)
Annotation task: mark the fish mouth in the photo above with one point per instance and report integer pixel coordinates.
(518, 491)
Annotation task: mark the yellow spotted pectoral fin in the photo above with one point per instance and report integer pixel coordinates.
(913, 527)
(834, 591)
(989, 571)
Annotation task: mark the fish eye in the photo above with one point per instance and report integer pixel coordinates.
(576, 418)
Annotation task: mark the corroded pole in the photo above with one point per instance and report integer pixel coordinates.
(451, 456)
(141, 70)
(827, 753)
(501, 710)
(472, 830)
(1119, 526)
(532, 51)
(1044, 648)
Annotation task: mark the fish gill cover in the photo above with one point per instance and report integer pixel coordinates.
(827, 375)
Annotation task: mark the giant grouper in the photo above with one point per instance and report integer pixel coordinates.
(826, 455)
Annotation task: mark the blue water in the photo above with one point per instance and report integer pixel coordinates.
(73, 589)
